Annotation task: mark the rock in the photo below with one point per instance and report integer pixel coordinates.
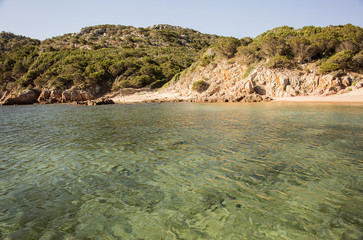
(3, 95)
(56, 95)
(346, 81)
(255, 98)
(249, 88)
(24, 97)
(84, 31)
(253, 75)
(104, 101)
(227, 82)
(284, 80)
(209, 53)
(66, 96)
(44, 96)
(76, 95)
(359, 85)
(291, 90)
(99, 32)
(336, 83)
(329, 78)
(260, 90)
(99, 101)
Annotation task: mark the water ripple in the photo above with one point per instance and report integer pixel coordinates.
(181, 171)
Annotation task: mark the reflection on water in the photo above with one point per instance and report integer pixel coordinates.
(181, 171)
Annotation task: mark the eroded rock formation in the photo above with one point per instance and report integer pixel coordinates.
(230, 81)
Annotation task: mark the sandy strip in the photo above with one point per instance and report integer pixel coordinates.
(147, 97)
(355, 96)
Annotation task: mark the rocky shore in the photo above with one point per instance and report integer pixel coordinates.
(224, 81)
(47, 96)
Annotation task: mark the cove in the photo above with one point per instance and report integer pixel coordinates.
(181, 171)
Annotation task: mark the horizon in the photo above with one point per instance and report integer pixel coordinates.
(41, 20)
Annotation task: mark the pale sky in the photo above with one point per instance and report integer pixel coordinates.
(43, 19)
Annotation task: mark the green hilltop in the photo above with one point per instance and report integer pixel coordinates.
(106, 55)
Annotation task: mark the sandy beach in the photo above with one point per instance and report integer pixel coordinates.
(149, 97)
(355, 96)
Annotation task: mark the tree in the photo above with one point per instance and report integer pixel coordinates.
(273, 45)
(228, 46)
(302, 49)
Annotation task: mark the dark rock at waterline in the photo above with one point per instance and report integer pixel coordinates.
(99, 101)
(24, 97)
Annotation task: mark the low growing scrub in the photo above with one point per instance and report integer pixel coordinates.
(279, 61)
(200, 86)
(341, 60)
(248, 71)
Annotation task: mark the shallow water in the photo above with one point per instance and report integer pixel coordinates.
(181, 171)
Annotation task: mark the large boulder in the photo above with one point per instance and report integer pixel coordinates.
(25, 97)
(249, 88)
(346, 81)
(291, 90)
(284, 80)
(76, 95)
(99, 101)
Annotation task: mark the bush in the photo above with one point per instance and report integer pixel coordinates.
(358, 61)
(249, 54)
(200, 86)
(280, 62)
(206, 60)
(340, 61)
(228, 46)
(248, 71)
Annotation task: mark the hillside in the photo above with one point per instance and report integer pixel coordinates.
(99, 59)
(278, 63)
(108, 58)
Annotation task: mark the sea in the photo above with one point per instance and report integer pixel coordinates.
(182, 171)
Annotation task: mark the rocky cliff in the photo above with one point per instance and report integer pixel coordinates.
(229, 81)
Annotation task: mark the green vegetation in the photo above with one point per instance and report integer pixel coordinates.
(335, 47)
(228, 46)
(248, 71)
(280, 61)
(200, 86)
(114, 57)
(339, 61)
(206, 60)
(108, 56)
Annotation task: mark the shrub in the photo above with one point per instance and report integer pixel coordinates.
(358, 61)
(228, 46)
(280, 62)
(248, 71)
(249, 54)
(340, 61)
(206, 60)
(200, 86)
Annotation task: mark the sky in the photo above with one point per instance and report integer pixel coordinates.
(43, 19)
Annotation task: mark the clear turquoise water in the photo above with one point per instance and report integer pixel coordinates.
(181, 171)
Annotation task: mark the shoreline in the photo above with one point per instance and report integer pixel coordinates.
(355, 96)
